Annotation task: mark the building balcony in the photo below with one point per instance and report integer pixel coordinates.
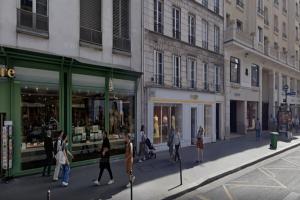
(32, 23)
(90, 36)
(217, 9)
(234, 33)
(211, 87)
(122, 44)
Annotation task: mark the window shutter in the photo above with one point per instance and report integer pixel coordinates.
(90, 14)
(116, 18)
(125, 18)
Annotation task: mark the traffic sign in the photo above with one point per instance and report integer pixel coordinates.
(291, 93)
(285, 87)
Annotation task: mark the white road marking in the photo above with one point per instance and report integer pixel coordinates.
(227, 192)
(272, 177)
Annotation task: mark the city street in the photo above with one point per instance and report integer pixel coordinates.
(277, 178)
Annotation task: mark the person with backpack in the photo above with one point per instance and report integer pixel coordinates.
(48, 146)
(65, 162)
(58, 155)
(104, 160)
(142, 144)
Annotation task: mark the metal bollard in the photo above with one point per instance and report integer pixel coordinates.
(48, 194)
(131, 192)
(180, 171)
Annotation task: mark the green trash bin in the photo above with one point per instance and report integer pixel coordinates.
(274, 138)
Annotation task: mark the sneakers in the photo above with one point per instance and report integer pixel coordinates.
(111, 181)
(96, 182)
(65, 184)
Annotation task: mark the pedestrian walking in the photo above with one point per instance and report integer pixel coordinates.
(297, 124)
(177, 144)
(170, 142)
(58, 153)
(142, 145)
(257, 129)
(129, 159)
(48, 146)
(104, 160)
(199, 144)
(65, 162)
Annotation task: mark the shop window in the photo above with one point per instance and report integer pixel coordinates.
(87, 115)
(165, 116)
(39, 113)
(121, 113)
(208, 120)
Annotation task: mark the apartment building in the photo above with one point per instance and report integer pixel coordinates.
(183, 69)
(77, 66)
(261, 42)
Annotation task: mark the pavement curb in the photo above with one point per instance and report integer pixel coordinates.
(222, 175)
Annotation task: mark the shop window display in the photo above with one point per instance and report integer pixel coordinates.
(165, 117)
(87, 116)
(39, 113)
(121, 113)
(251, 114)
(207, 120)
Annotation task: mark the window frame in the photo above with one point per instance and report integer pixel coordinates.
(158, 25)
(192, 29)
(176, 20)
(205, 30)
(176, 68)
(159, 77)
(238, 70)
(255, 68)
(216, 38)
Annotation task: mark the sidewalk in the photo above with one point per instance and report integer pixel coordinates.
(154, 178)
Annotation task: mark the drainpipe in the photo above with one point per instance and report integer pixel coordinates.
(143, 103)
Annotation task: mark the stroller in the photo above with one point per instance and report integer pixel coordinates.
(150, 149)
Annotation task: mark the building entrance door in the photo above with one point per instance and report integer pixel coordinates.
(217, 121)
(233, 119)
(265, 116)
(193, 124)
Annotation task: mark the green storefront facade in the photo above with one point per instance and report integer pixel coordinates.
(51, 93)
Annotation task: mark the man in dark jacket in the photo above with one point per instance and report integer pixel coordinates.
(48, 146)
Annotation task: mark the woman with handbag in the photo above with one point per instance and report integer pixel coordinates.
(64, 160)
(104, 160)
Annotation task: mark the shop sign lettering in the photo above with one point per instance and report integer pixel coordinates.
(7, 72)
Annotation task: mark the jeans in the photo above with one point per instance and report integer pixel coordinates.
(177, 152)
(171, 150)
(257, 133)
(65, 173)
